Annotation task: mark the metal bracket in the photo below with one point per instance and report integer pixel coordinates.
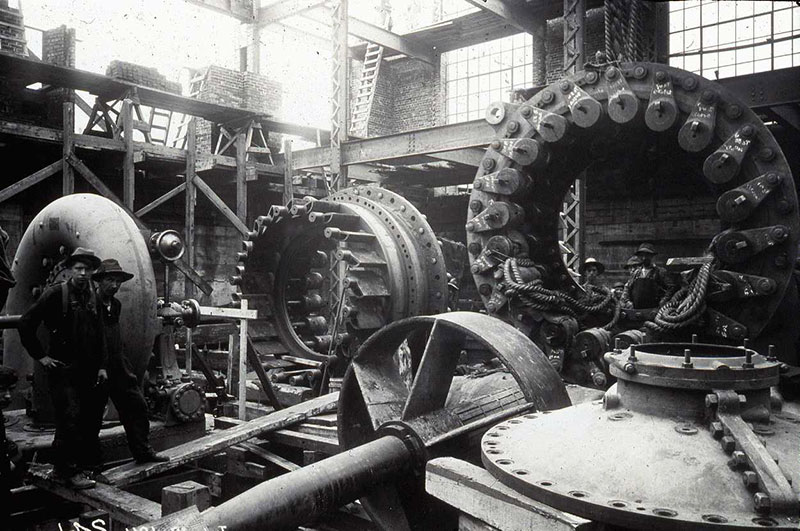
(497, 215)
(734, 247)
(723, 165)
(551, 126)
(741, 286)
(507, 181)
(736, 205)
(662, 111)
(622, 102)
(585, 110)
(720, 325)
(698, 131)
(773, 491)
(523, 151)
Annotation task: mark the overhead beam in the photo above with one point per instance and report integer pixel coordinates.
(238, 9)
(476, 133)
(375, 34)
(521, 18)
(285, 8)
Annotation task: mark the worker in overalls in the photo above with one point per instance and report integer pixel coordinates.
(75, 361)
(123, 387)
(647, 283)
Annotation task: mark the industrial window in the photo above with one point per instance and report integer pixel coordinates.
(725, 39)
(480, 74)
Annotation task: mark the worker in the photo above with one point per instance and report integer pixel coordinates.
(647, 283)
(123, 387)
(75, 361)
(590, 270)
(632, 263)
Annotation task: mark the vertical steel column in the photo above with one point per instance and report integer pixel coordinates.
(288, 192)
(341, 93)
(573, 229)
(340, 100)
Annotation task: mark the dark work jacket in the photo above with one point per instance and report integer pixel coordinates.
(76, 337)
(111, 326)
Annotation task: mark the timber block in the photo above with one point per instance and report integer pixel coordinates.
(182, 495)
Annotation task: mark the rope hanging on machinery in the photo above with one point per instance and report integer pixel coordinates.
(532, 294)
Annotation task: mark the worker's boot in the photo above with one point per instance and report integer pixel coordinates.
(77, 481)
(151, 457)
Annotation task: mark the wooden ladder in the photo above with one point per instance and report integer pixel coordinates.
(160, 120)
(366, 90)
(196, 85)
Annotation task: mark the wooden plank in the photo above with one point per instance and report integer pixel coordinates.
(190, 203)
(405, 45)
(190, 273)
(210, 444)
(270, 457)
(161, 200)
(520, 17)
(101, 187)
(122, 506)
(242, 394)
(221, 206)
(32, 179)
(305, 441)
(68, 182)
(288, 194)
(266, 383)
(475, 491)
(241, 176)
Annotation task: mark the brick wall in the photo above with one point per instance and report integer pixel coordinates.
(12, 31)
(58, 46)
(142, 75)
(407, 96)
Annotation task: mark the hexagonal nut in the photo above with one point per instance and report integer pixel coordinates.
(711, 400)
(762, 502)
(717, 431)
(728, 444)
(750, 479)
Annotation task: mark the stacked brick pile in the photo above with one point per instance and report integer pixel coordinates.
(142, 75)
(12, 30)
(58, 46)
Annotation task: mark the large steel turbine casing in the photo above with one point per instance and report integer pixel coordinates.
(94, 222)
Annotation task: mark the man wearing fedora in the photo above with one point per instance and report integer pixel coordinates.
(75, 360)
(123, 386)
(647, 283)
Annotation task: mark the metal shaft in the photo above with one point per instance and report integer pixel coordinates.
(292, 499)
(9, 321)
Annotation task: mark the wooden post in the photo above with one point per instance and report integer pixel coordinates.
(243, 365)
(182, 495)
(288, 193)
(233, 363)
(190, 204)
(241, 175)
(128, 169)
(68, 183)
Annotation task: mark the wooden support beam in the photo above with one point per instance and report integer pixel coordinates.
(285, 8)
(32, 179)
(220, 204)
(476, 133)
(216, 441)
(288, 194)
(237, 9)
(241, 175)
(266, 383)
(182, 495)
(242, 394)
(101, 187)
(520, 17)
(189, 205)
(155, 203)
(68, 182)
(128, 169)
(122, 506)
(269, 457)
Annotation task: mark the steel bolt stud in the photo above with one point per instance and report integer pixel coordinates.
(630, 368)
(617, 343)
(526, 111)
(740, 458)
(661, 76)
(728, 444)
(496, 144)
(687, 359)
(762, 502)
(771, 354)
(632, 355)
(717, 431)
(487, 164)
(748, 131)
(694, 338)
(750, 479)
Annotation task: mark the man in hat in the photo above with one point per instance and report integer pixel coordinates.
(591, 269)
(647, 283)
(123, 386)
(75, 360)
